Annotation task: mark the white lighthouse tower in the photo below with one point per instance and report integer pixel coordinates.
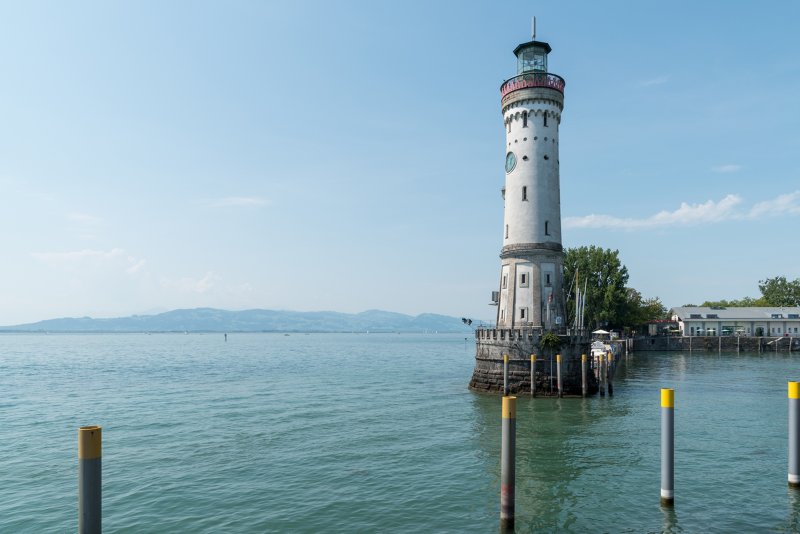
(531, 258)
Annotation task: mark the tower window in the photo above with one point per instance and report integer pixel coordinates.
(505, 280)
(545, 119)
(546, 157)
(547, 279)
(509, 126)
(522, 313)
(546, 228)
(524, 192)
(523, 280)
(506, 231)
(524, 119)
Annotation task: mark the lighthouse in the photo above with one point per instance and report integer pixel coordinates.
(530, 345)
(530, 293)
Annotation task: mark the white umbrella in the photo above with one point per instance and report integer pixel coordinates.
(600, 332)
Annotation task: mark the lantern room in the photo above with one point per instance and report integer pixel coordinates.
(532, 57)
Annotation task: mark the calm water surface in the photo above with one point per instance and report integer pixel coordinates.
(378, 433)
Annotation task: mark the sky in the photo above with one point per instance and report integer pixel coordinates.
(349, 155)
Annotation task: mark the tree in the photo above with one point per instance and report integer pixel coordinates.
(780, 292)
(744, 302)
(639, 310)
(652, 309)
(606, 297)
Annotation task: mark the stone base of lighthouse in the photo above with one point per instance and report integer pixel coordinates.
(519, 344)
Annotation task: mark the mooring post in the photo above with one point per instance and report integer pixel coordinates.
(602, 370)
(558, 374)
(89, 480)
(667, 447)
(794, 434)
(610, 372)
(507, 464)
(583, 375)
(505, 374)
(533, 375)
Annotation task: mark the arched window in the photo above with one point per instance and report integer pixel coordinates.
(545, 118)
(524, 119)
(546, 228)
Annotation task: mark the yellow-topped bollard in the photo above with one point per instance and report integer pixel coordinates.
(90, 480)
(507, 463)
(667, 447)
(667, 398)
(794, 434)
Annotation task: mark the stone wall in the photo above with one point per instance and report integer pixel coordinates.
(715, 344)
(519, 344)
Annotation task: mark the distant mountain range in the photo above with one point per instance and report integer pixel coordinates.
(214, 320)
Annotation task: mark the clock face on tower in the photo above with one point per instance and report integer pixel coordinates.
(511, 161)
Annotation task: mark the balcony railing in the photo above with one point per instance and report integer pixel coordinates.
(533, 79)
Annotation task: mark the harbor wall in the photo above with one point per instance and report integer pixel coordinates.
(716, 344)
(519, 344)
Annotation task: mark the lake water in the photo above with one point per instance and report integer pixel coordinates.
(378, 433)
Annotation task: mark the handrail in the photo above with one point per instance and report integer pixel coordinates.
(533, 79)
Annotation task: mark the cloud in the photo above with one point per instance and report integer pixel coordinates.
(136, 266)
(238, 201)
(727, 209)
(727, 168)
(788, 204)
(654, 81)
(686, 214)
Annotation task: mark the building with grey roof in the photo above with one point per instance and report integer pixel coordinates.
(721, 321)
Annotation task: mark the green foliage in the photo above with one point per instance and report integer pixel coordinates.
(776, 291)
(640, 310)
(780, 292)
(550, 341)
(606, 298)
(744, 302)
(609, 303)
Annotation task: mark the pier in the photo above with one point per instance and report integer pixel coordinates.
(757, 344)
(520, 344)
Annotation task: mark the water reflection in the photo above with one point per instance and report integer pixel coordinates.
(593, 465)
(670, 524)
(793, 518)
(556, 445)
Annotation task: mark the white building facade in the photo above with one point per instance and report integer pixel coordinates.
(753, 321)
(532, 256)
